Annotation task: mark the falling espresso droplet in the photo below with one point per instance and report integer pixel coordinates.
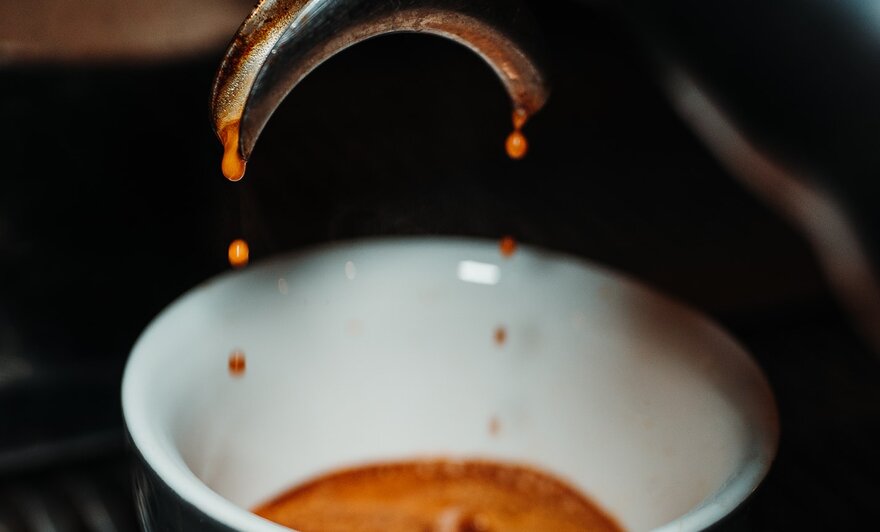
(500, 335)
(239, 254)
(232, 165)
(494, 426)
(516, 145)
(507, 246)
(237, 363)
(519, 118)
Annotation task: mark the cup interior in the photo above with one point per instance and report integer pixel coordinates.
(390, 349)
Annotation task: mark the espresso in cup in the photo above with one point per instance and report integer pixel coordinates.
(434, 385)
(437, 496)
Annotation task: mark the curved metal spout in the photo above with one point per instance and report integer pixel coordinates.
(282, 41)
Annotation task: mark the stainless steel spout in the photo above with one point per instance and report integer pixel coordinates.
(282, 41)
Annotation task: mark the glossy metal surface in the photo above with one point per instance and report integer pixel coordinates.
(282, 41)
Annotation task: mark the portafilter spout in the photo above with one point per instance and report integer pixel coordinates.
(282, 41)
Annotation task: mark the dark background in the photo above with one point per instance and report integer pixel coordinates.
(112, 204)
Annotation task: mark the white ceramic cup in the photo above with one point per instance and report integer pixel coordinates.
(386, 350)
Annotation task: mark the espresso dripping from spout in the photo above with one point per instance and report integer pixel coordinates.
(282, 41)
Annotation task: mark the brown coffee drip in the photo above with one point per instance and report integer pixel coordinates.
(494, 426)
(500, 335)
(436, 496)
(237, 363)
(238, 253)
(232, 165)
(507, 246)
(516, 145)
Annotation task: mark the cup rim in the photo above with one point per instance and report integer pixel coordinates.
(186, 485)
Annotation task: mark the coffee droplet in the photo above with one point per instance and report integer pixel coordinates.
(232, 165)
(516, 145)
(494, 426)
(237, 363)
(519, 118)
(239, 254)
(507, 246)
(500, 335)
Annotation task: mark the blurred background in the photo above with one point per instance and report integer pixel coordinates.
(112, 204)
